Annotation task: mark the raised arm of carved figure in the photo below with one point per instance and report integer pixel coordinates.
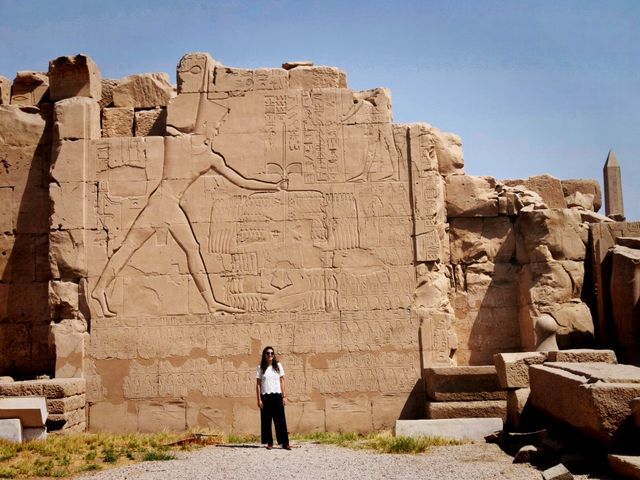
(219, 165)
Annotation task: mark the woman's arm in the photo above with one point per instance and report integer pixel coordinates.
(283, 390)
(258, 384)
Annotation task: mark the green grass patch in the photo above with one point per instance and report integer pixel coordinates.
(242, 438)
(158, 455)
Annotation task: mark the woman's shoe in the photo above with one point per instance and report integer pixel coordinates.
(286, 447)
(269, 447)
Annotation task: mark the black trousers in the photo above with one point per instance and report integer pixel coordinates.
(273, 409)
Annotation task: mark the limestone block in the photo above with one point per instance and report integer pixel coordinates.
(591, 397)
(67, 255)
(67, 404)
(63, 299)
(112, 417)
(629, 242)
(491, 285)
(244, 418)
(627, 466)
(307, 78)
(151, 122)
(29, 88)
(469, 196)
(454, 429)
(433, 288)
(448, 147)
(147, 90)
(580, 200)
(481, 239)
(438, 337)
(54, 388)
(368, 107)
(558, 472)
(582, 355)
(5, 91)
(462, 383)
(513, 199)
(548, 187)
(193, 72)
(545, 284)
(34, 433)
(270, 79)
(21, 128)
(513, 368)
(344, 414)
(516, 402)
(625, 300)
(154, 415)
(422, 150)
(69, 340)
(229, 79)
(65, 200)
(77, 118)
(574, 320)
(74, 76)
(467, 409)
(304, 417)
(117, 122)
(32, 411)
(107, 92)
(63, 421)
(11, 430)
(553, 234)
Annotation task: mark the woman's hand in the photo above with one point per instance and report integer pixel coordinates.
(284, 401)
(260, 404)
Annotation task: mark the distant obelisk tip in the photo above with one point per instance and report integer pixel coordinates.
(611, 160)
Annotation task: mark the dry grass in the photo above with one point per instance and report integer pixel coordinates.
(67, 455)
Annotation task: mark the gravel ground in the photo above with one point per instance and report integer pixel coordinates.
(307, 460)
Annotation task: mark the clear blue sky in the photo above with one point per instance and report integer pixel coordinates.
(536, 86)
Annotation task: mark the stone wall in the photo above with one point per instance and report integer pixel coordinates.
(189, 227)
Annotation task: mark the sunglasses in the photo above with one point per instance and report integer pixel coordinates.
(271, 354)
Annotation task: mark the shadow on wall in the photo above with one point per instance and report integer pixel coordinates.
(24, 242)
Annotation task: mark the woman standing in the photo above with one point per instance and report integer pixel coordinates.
(272, 398)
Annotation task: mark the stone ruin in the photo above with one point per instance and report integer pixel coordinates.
(155, 238)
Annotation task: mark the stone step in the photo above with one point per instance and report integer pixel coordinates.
(472, 409)
(453, 429)
(32, 411)
(463, 383)
(626, 465)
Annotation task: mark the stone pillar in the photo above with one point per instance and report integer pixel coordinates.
(614, 207)
(77, 122)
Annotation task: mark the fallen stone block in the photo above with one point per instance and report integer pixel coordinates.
(147, 90)
(585, 187)
(516, 403)
(29, 88)
(11, 429)
(34, 433)
(582, 355)
(547, 186)
(468, 409)
(513, 368)
(593, 398)
(559, 472)
(53, 388)
(454, 429)
(32, 411)
(626, 465)
(74, 76)
(463, 383)
(526, 454)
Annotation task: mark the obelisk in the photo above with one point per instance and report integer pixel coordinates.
(613, 188)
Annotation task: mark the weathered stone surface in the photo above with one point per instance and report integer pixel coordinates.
(297, 63)
(548, 187)
(69, 338)
(74, 76)
(625, 300)
(462, 383)
(316, 77)
(54, 388)
(558, 472)
(147, 90)
(554, 234)
(513, 199)
(30, 88)
(481, 239)
(626, 465)
(5, 91)
(63, 421)
(117, 122)
(448, 148)
(11, 430)
(584, 355)
(469, 196)
(635, 410)
(31, 411)
(516, 402)
(513, 368)
(151, 122)
(467, 409)
(455, 428)
(588, 188)
(107, 92)
(67, 404)
(591, 397)
(77, 118)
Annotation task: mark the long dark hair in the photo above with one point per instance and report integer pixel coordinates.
(263, 361)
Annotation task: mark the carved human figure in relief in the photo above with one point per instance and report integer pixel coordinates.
(187, 156)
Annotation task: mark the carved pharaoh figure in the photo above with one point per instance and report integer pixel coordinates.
(188, 154)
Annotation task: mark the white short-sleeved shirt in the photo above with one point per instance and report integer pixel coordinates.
(270, 379)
